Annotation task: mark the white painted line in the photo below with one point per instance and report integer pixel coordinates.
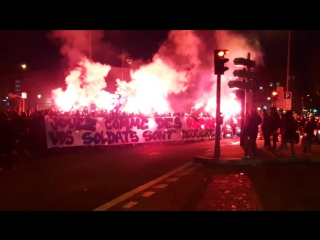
(235, 143)
(147, 194)
(129, 194)
(161, 186)
(130, 205)
(186, 172)
(174, 179)
(154, 153)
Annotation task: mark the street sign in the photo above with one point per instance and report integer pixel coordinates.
(23, 95)
(287, 96)
(280, 98)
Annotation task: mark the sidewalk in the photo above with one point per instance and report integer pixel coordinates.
(231, 155)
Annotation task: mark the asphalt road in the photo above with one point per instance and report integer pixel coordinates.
(285, 187)
(87, 178)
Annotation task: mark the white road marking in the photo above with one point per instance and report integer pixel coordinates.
(129, 194)
(147, 194)
(130, 205)
(174, 179)
(235, 143)
(161, 186)
(186, 172)
(154, 153)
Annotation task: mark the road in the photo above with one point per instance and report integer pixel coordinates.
(156, 177)
(286, 187)
(87, 178)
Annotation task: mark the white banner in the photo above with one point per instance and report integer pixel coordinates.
(76, 131)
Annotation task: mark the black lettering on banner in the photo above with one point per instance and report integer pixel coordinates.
(64, 137)
(126, 134)
(111, 137)
(87, 138)
(135, 122)
(159, 135)
(108, 124)
(168, 123)
(97, 138)
(63, 123)
(124, 122)
(160, 122)
(144, 123)
(170, 132)
(177, 123)
(90, 124)
(119, 137)
(147, 135)
(134, 137)
(115, 124)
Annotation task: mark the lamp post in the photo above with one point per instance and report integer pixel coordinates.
(38, 98)
(288, 61)
(90, 46)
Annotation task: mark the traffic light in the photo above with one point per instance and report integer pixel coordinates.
(241, 85)
(219, 61)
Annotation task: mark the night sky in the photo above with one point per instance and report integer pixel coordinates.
(38, 51)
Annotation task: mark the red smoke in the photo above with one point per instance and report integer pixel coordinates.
(180, 76)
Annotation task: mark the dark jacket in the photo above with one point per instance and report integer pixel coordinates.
(289, 128)
(7, 138)
(252, 126)
(266, 122)
(275, 122)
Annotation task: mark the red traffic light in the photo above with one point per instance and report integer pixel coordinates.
(221, 53)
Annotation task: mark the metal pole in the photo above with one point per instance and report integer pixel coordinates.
(23, 104)
(218, 125)
(90, 50)
(288, 61)
(122, 57)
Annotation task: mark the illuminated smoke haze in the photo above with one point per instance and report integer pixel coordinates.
(179, 77)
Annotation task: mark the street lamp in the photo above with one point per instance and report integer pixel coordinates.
(23, 66)
(39, 96)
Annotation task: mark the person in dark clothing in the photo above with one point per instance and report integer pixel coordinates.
(7, 139)
(251, 129)
(23, 135)
(265, 127)
(289, 127)
(233, 125)
(309, 128)
(275, 124)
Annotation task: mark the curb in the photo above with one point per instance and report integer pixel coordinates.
(257, 161)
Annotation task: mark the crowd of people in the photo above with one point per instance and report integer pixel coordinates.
(289, 126)
(25, 132)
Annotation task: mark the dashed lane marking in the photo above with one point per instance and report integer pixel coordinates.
(161, 185)
(130, 205)
(129, 194)
(147, 194)
(154, 153)
(185, 172)
(174, 179)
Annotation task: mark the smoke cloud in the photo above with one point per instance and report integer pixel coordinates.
(76, 45)
(180, 75)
